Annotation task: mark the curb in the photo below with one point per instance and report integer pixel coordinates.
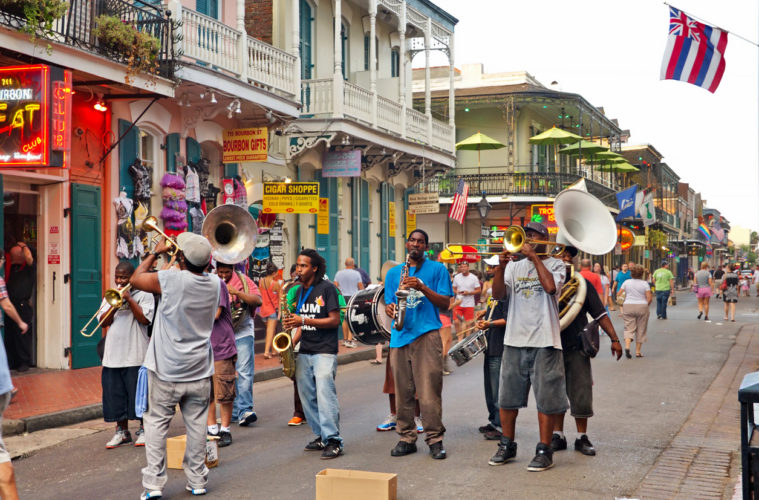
(12, 427)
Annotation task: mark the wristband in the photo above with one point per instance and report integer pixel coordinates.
(616, 341)
(303, 321)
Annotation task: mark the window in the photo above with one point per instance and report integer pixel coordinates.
(306, 40)
(209, 8)
(395, 63)
(367, 48)
(344, 33)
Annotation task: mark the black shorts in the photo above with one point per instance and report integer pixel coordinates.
(119, 389)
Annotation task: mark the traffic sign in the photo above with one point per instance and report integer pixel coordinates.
(496, 234)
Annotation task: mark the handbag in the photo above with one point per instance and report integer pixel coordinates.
(621, 295)
(723, 285)
(590, 339)
(695, 288)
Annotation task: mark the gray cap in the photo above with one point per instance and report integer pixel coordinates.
(196, 249)
(537, 227)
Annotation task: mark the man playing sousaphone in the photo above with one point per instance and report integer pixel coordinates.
(532, 346)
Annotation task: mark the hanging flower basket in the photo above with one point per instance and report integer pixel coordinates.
(139, 49)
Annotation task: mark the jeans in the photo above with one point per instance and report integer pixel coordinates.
(244, 385)
(491, 369)
(661, 303)
(315, 374)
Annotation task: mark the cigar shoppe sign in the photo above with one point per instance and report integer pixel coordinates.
(35, 116)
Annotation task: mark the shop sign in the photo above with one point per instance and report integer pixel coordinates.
(53, 229)
(424, 203)
(53, 253)
(410, 222)
(640, 240)
(626, 238)
(322, 218)
(35, 116)
(291, 198)
(391, 218)
(342, 163)
(245, 144)
(543, 214)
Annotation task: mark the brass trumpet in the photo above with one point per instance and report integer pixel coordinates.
(514, 238)
(151, 224)
(115, 298)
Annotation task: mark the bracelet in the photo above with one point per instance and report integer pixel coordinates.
(615, 341)
(303, 321)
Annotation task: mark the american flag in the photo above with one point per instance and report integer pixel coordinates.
(457, 211)
(694, 53)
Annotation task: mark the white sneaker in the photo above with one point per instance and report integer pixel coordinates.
(140, 437)
(151, 494)
(195, 491)
(121, 437)
(419, 426)
(388, 425)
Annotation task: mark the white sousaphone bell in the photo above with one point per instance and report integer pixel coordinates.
(584, 221)
(232, 232)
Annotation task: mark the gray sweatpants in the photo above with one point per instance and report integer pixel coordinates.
(193, 398)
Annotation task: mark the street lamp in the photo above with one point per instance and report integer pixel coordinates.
(483, 206)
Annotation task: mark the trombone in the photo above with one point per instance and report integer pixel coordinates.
(151, 224)
(115, 298)
(514, 238)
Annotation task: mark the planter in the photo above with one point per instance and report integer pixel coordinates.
(122, 38)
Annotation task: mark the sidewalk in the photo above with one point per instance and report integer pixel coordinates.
(54, 398)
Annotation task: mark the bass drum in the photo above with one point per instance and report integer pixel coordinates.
(366, 316)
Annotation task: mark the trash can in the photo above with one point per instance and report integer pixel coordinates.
(748, 395)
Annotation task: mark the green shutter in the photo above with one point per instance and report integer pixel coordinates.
(172, 150)
(355, 220)
(86, 271)
(230, 170)
(366, 52)
(306, 26)
(193, 150)
(327, 244)
(128, 151)
(391, 236)
(384, 241)
(344, 47)
(209, 8)
(365, 256)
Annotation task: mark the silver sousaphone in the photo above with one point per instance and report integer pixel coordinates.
(232, 232)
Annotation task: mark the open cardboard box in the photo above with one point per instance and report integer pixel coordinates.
(175, 448)
(341, 484)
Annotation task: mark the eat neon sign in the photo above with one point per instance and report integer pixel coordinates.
(35, 116)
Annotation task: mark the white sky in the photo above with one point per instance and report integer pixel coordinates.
(610, 52)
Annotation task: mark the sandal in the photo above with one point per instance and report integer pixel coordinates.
(638, 355)
(268, 356)
(375, 362)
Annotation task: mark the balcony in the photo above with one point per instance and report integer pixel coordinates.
(359, 104)
(209, 42)
(76, 27)
(516, 184)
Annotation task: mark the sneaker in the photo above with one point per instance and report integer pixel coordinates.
(247, 418)
(140, 437)
(151, 494)
(558, 443)
(121, 437)
(225, 438)
(584, 446)
(195, 491)
(333, 449)
(493, 435)
(543, 459)
(295, 421)
(486, 428)
(315, 445)
(419, 426)
(389, 424)
(507, 449)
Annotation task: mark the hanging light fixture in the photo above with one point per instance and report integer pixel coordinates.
(483, 206)
(100, 104)
(213, 98)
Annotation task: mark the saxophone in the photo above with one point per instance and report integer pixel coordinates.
(401, 295)
(282, 342)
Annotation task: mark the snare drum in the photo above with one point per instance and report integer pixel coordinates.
(468, 348)
(366, 316)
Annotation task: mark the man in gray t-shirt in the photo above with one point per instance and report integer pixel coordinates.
(349, 282)
(179, 359)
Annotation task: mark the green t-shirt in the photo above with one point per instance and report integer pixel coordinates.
(661, 279)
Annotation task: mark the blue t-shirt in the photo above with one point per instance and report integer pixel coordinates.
(622, 276)
(421, 315)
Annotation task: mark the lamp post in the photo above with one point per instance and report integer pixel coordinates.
(483, 207)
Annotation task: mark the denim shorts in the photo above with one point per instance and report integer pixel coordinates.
(541, 367)
(273, 317)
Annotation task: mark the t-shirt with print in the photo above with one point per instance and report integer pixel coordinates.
(127, 339)
(421, 315)
(468, 283)
(662, 278)
(570, 336)
(533, 313)
(223, 333)
(317, 303)
(180, 348)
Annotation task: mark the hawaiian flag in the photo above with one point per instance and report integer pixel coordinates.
(457, 211)
(694, 53)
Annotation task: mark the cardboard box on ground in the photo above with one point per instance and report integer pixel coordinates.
(339, 484)
(175, 448)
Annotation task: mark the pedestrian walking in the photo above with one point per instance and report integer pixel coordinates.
(270, 290)
(704, 284)
(730, 285)
(755, 279)
(664, 285)
(349, 282)
(635, 311)
(718, 276)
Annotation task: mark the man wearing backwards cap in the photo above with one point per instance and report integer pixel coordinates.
(532, 347)
(179, 359)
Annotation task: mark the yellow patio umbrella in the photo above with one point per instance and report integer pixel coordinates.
(478, 142)
(555, 137)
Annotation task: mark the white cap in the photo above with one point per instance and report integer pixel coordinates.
(492, 261)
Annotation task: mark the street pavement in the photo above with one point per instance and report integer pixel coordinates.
(640, 404)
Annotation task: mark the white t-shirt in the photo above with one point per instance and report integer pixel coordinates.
(468, 283)
(348, 280)
(756, 277)
(635, 291)
(127, 339)
(533, 314)
(605, 283)
(180, 348)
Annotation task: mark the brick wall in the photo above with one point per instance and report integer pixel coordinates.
(259, 19)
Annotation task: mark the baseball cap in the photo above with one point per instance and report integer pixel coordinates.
(537, 227)
(664, 263)
(196, 249)
(492, 261)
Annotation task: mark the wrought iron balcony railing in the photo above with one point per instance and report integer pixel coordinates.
(77, 28)
(516, 184)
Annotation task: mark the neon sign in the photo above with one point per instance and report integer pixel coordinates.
(544, 214)
(35, 116)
